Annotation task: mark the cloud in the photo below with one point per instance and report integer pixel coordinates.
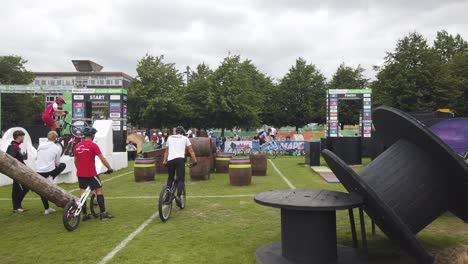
(273, 34)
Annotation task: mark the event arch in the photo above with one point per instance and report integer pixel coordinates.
(333, 98)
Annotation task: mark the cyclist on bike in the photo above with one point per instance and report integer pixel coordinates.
(174, 159)
(53, 110)
(264, 136)
(85, 153)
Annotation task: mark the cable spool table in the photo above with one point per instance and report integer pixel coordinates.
(308, 227)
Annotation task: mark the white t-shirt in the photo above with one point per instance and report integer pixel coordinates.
(48, 156)
(273, 131)
(177, 145)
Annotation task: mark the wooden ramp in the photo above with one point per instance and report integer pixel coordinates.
(325, 173)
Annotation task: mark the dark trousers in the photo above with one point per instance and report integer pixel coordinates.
(18, 193)
(54, 174)
(176, 167)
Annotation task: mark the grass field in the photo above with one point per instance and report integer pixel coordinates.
(212, 229)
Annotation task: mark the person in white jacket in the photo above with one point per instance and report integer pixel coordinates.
(48, 163)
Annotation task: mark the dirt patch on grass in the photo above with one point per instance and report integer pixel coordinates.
(455, 255)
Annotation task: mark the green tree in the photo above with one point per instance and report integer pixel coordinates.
(446, 45)
(347, 77)
(456, 77)
(200, 95)
(237, 100)
(408, 79)
(301, 96)
(453, 75)
(156, 96)
(18, 109)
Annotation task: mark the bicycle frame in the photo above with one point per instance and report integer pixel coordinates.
(82, 200)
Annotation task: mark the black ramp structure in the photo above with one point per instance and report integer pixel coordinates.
(411, 183)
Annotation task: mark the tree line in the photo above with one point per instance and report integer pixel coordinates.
(417, 76)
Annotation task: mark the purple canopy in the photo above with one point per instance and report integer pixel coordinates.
(454, 132)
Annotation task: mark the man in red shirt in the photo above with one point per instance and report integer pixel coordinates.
(51, 111)
(85, 153)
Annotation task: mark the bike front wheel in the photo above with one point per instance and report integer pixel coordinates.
(165, 204)
(70, 220)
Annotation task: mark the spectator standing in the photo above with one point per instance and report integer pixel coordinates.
(131, 149)
(18, 191)
(154, 138)
(222, 139)
(48, 163)
(160, 140)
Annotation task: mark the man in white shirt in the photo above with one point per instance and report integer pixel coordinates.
(48, 163)
(174, 159)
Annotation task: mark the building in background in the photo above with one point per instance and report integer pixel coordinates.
(91, 94)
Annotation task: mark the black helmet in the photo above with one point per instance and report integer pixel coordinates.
(180, 129)
(89, 131)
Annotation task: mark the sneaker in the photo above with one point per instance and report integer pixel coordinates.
(178, 201)
(20, 210)
(105, 216)
(86, 217)
(49, 211)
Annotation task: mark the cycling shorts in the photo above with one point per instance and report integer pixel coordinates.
(93, 182)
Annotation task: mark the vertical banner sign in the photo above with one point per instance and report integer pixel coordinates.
(365, 120)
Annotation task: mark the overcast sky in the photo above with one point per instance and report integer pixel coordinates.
(117, 33)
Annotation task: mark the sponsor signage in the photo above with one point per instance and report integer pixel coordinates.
(115, 97)
(98, 97)
(332, 92)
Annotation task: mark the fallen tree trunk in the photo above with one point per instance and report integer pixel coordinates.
(26, 176)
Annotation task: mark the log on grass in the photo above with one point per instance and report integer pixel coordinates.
(26, 176)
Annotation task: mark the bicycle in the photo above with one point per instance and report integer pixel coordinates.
(71, 212)
(71, 139)
(270, 149)
(235, 150)
(167, 196)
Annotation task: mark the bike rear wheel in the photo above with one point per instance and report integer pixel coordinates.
(165, 204)
(93, 205)
(70, 221)
(183, 199)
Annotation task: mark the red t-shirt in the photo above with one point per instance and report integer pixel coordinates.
(49, 111)
(85, 152)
